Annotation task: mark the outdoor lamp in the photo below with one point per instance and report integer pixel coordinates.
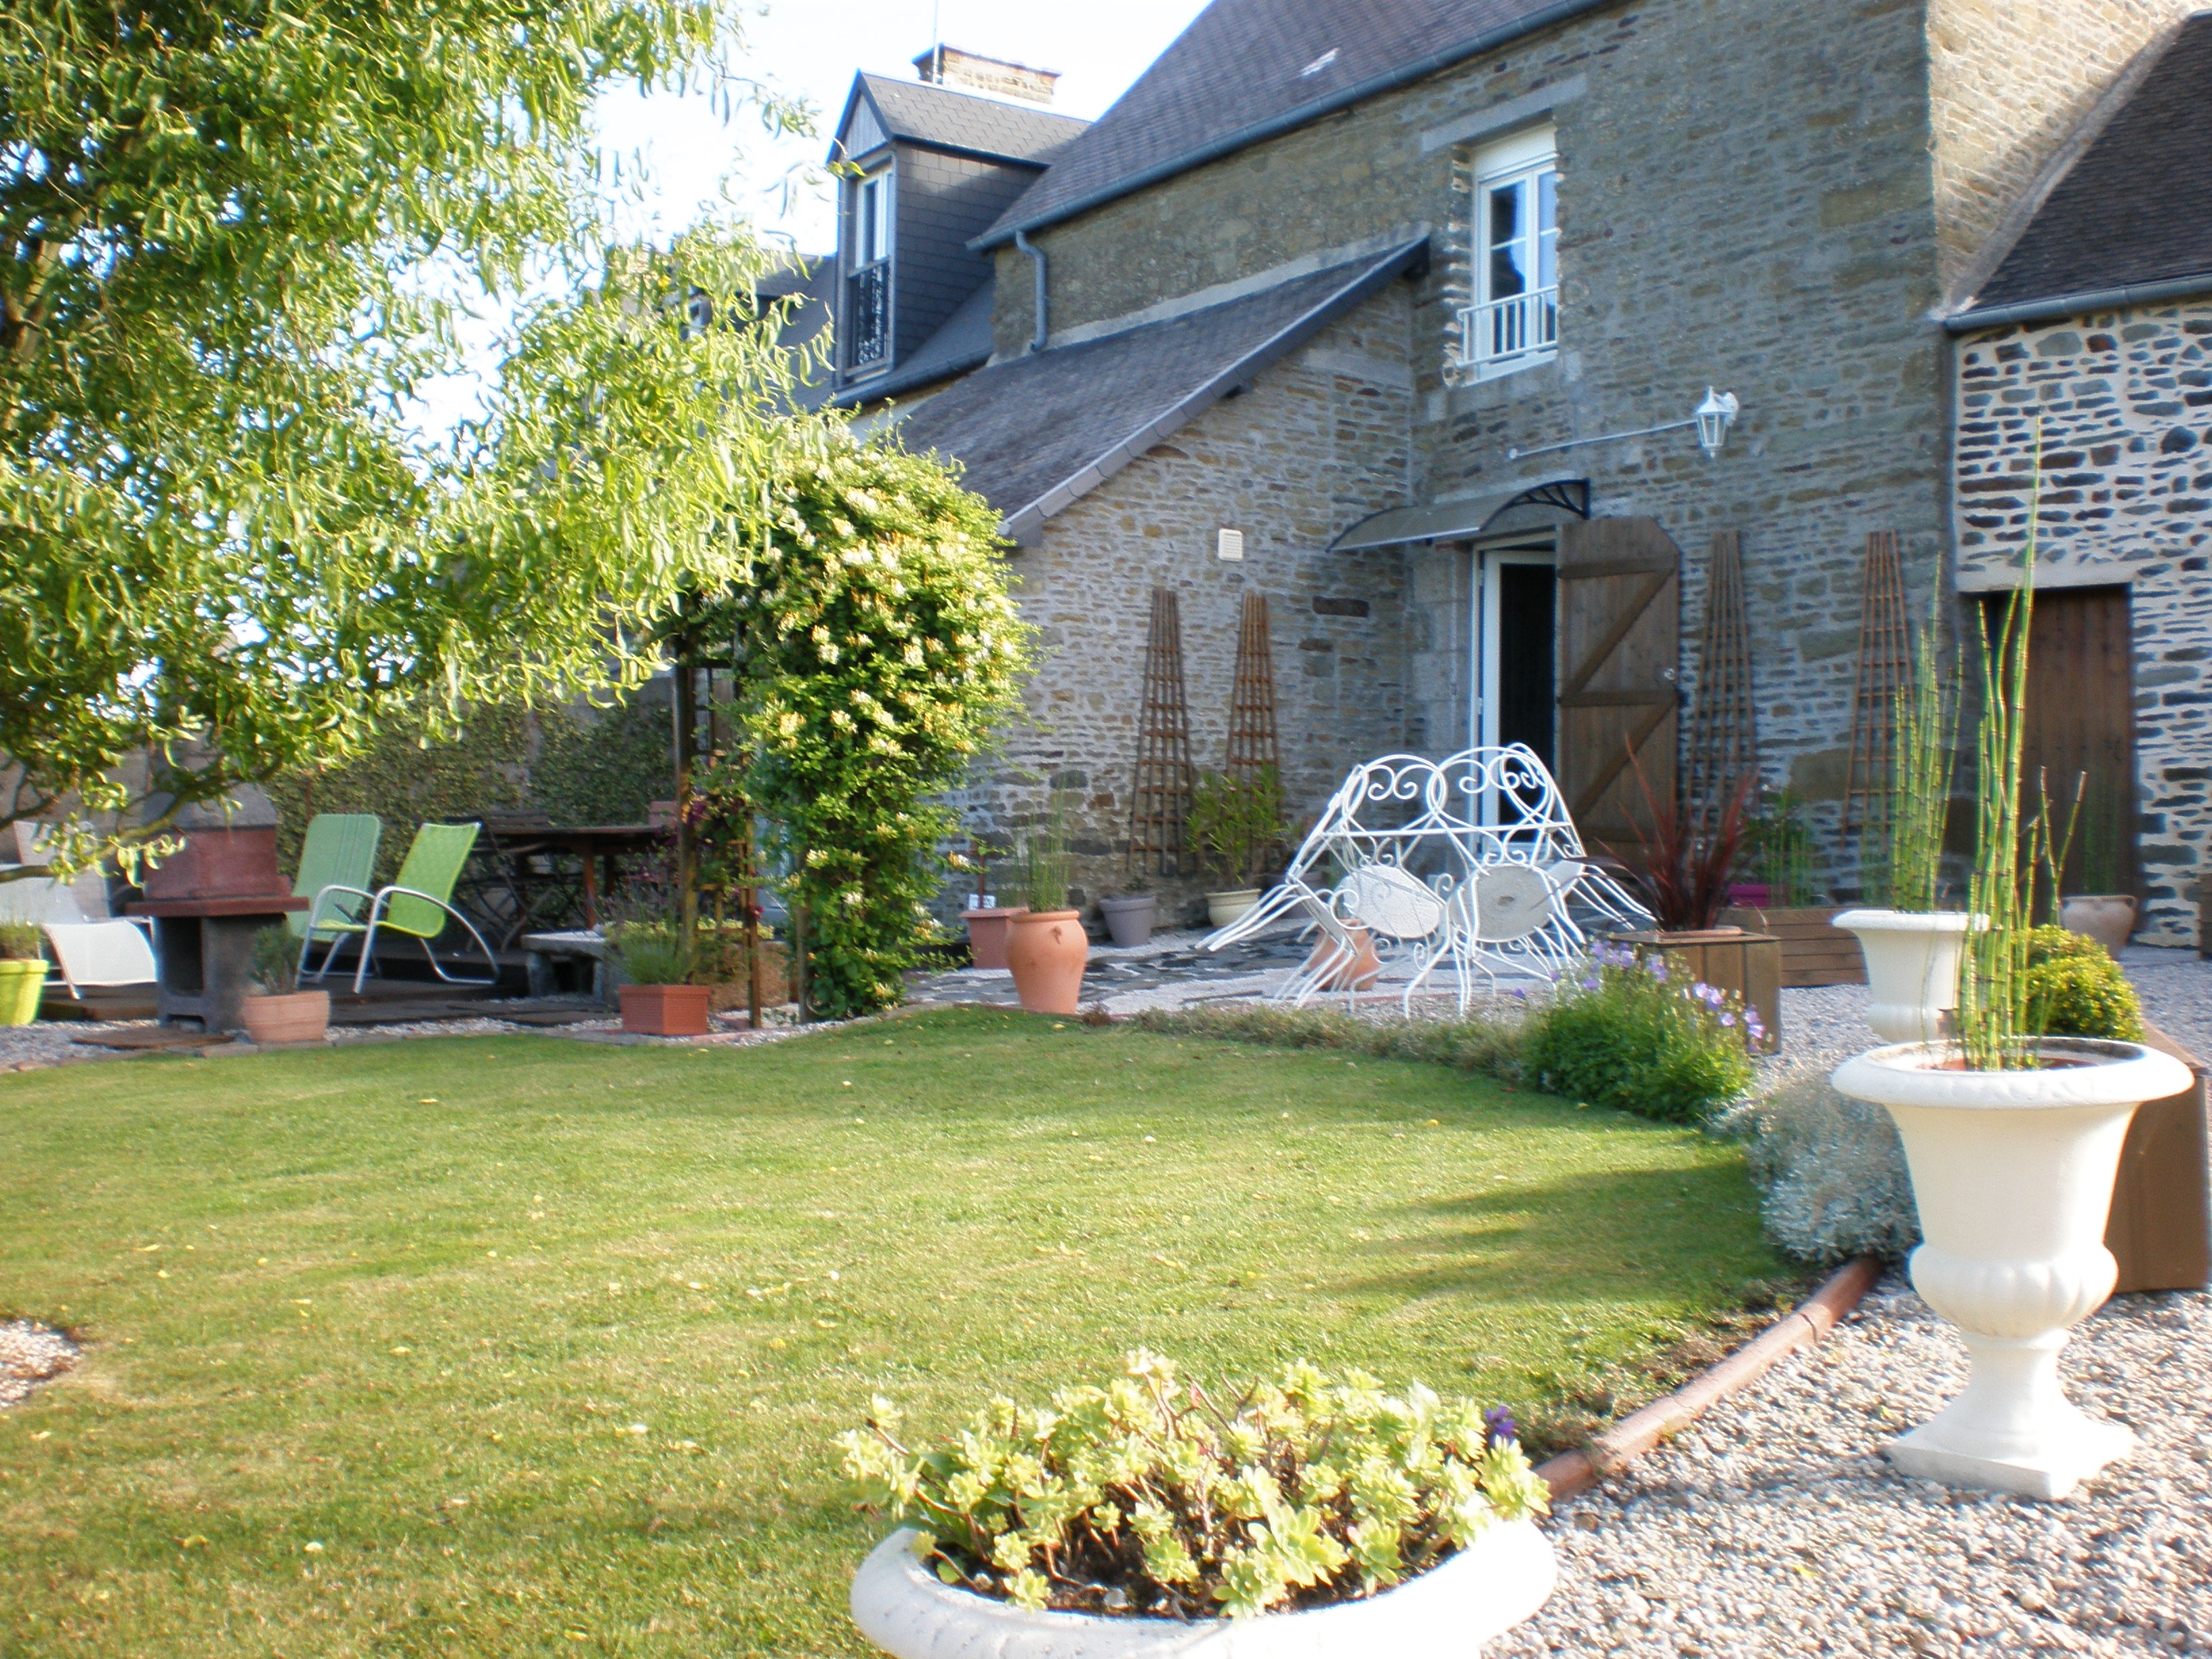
(1714, 417)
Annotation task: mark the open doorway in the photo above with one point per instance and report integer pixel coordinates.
(1515, 629)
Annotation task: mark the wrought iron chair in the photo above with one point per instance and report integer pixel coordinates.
(417, 905)
(1470, 863)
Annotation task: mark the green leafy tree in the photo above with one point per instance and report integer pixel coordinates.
(222, 552)
(874, 646)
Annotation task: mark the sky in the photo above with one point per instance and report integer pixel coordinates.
(811, 49)
(694, 164)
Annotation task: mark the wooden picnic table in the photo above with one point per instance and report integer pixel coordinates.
(598, 848)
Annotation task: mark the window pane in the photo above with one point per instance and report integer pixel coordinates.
(1508, 255)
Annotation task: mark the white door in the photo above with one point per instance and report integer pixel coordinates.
(1515, 629)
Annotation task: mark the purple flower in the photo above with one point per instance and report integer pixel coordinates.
(1590, 984)
(1727, 1018)
(1498, 1423)
(1657, 966)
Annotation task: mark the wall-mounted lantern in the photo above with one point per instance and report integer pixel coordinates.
(1712, 419)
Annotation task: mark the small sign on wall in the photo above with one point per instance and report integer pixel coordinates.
(1229, 544)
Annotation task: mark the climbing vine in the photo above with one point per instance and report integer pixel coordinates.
(874, 645)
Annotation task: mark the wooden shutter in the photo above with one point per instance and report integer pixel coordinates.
(1620, 611)
(2080, 719)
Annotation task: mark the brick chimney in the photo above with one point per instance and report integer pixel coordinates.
(949, 66)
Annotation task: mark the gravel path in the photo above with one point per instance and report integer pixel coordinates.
(1776, 1525)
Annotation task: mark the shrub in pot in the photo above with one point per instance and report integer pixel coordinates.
(658, 1002)
(1297, 1515)
(2013, 1138)
(22, 972)
(1236, 827)
(1046, 945)
(278, 1011)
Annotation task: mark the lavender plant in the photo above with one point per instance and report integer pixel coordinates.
(1146, 1498)
(1631, 1033)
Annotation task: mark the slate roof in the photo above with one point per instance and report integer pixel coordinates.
(1036, 433)
(2136, 208)
(962, 343)
(1246, 68)
(920, 113)
(813, 278)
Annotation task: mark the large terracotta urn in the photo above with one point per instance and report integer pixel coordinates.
(2107, 918)
(2012, 1173)
(1046, 951)
(1913, 962)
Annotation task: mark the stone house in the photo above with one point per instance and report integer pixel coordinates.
(1396, 314)
(2085, 342)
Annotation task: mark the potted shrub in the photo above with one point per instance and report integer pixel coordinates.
(1129, 916)
(1913, 949)
(276, 1009)
(1301, 1516)
(1236, 825)
(658, 1001)
(1046, 945)
(2013, 1139)
(22, 972)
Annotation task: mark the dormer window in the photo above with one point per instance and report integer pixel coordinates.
(868, 273)
(1514, 320)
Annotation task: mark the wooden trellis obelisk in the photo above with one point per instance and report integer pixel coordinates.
(1252, 747)
(1160, 803)
(1885, 661)
(1724, 723)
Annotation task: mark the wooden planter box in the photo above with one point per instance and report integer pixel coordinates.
(1815, 951)
(2161, 1228)
(1728, 959)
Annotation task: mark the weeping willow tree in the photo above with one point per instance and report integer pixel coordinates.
(224, 553)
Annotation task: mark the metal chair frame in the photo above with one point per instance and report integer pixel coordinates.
(1444, 824)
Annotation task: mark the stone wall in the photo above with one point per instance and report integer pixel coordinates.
(1320, 439)
(1759, 220)
(2123, 405)
(2009, 81)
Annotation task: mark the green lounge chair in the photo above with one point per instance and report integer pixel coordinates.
(417, 905)
(340, 852)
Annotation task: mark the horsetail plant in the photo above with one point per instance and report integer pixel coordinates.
(1926, 721)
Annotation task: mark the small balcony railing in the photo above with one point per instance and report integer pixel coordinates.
(868, 316)
(1510, 328)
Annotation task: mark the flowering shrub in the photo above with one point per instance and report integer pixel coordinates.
(875, 644)
(1629, 1033)
(2075, 988)
(1145, 1497)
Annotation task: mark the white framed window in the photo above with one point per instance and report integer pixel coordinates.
(867, 323)
(1514, 321)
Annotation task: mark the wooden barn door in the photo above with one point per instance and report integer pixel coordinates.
(1620, 614)
(2081, 720)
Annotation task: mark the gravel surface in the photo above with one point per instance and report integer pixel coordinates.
(29, 1354)
(1776, 1526)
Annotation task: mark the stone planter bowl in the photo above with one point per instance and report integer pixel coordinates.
(1447, 1612)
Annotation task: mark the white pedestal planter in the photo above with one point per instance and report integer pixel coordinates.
(1913, 961)
(2013, 1175)
(1444, 1613)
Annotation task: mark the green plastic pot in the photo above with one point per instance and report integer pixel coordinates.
(20, 985)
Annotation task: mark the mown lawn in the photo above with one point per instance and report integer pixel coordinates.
(521, 1346)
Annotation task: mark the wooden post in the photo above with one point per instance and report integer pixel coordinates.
(687, 750)
(798, 986)
(751, 892)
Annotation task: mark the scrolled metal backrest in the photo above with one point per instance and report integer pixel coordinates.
(1442, 819)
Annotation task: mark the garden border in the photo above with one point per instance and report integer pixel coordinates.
(1803, 1327)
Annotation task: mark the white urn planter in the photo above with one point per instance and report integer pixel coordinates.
(2011, 1172)
(1449, 1611)
(1912, 959)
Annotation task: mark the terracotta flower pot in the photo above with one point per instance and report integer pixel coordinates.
(988, 934)
(300, 1016)
(666, 1010)
(1222, 909)
(1129, 918)
(1047, 952)
(20, 985)
(1359, 973)
(2107, 918)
